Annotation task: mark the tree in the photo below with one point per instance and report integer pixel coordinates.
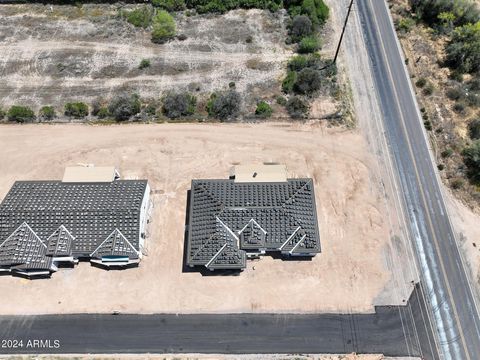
(308, 81)
(123, 106)
(76, 109)
(20, 114)
(297, 108)
(471, 158)
(47, 113)
(301, 26)
(463, 51)
(224, 106)
(263, 110)
(164, 27)
(178, 105)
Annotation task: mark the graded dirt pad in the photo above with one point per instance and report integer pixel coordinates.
(347, 276)
(55, 54)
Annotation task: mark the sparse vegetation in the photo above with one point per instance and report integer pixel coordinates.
(164, 27)
(47, 113)
(474, 129)
(124, 106)
(297, 107)
(224, 106)
(145, 63)
(76, 109)
(140, 17)
(176, 105)
(170, 5)
(263, 110)
(308, 45)
(20, 114)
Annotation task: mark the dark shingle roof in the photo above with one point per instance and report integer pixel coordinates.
(227, 218)
(71, 219)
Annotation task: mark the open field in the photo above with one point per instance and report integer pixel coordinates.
(349, 275)
(55, 54)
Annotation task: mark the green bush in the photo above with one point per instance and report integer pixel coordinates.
(20, 114)
(309, 44)
(405, 24)
(140, 17)
(289, 82)
(47, 113)
(145, 63)
(474, 129)
(263, 110)
(455, 93)
(170, 5)
(76, 109)
(459, 108)
(463, 51)
(297, 108)
(224, 106)
(308, 81)
(2, 113)
(164, 27)
(281, 100)
(103, 113)
(457, 183)
(421, 82)
(124, 106)
(300, 27)
(316, 10)
(434, 12)
(471, 158)
(178, 105)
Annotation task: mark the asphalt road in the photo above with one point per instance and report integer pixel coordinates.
(453, 313)
(385, 331)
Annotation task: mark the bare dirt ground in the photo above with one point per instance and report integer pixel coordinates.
(55, 54)
(202, 357)
(349, 275)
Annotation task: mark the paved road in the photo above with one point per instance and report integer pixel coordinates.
(383, 332)
(444, 278)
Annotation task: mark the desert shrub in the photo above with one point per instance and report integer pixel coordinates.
(145, 63)
(457, 183)
(297, 108)
(20, 114)
(309, 44)
(140, 17)
(455, 93)
(308, 81)
(170, 5)
(123, 106)
(47, 113)
(474, 129)
(459, 108)
(249, 39)
(103, 113)
(264, 110)
(221, 6)
(151, 109)
(2, 113)
(182, 37)
(316, 10)
(300, 62)
(435, 12)
(428, 125)
(405, 24)
(281, 100)
(301, 26)
(440, 167)
(421, 82)
(76, 109)
(224, 106)
(463, 51)
(176, 105)
(289, 82)
(428, 89)
(446, 153)
(164, 27)
(473, 99)
(471, 158)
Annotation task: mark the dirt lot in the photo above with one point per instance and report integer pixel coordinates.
(350, 274)
(55, 54)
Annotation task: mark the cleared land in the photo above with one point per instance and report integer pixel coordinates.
(350, 274)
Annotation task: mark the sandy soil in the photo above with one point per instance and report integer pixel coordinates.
(70, 53)
(348, 276)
